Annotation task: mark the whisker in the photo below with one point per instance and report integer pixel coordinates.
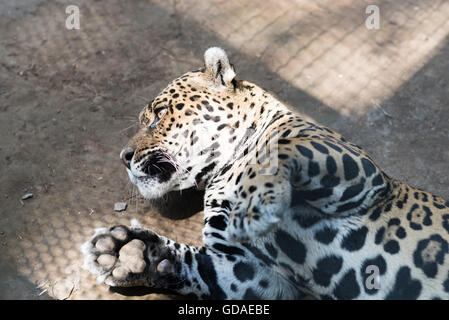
(125, 117)
(170, 162)
(137, 196)
(157, 167)
(146, 100)
(135, 124)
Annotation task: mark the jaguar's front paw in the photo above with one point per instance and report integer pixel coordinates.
(131, 256)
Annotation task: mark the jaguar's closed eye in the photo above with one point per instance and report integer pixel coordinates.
(159, 113)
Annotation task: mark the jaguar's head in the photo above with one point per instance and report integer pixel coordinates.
(187, 130)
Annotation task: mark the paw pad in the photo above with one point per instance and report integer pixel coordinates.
(165, 267)
(107, 260)
(131, 256)
(119, 233)
(105, 244)
(120, 273)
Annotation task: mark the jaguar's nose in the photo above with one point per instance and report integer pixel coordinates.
(127, 155)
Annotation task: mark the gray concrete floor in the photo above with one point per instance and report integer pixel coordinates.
(69, 100)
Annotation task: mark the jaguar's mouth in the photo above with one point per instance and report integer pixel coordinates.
(158, 166)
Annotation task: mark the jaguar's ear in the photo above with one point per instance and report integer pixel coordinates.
(218, 68)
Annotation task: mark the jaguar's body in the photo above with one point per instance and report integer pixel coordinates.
(290, 207)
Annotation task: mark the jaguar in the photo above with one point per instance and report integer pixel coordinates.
(291, 208)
